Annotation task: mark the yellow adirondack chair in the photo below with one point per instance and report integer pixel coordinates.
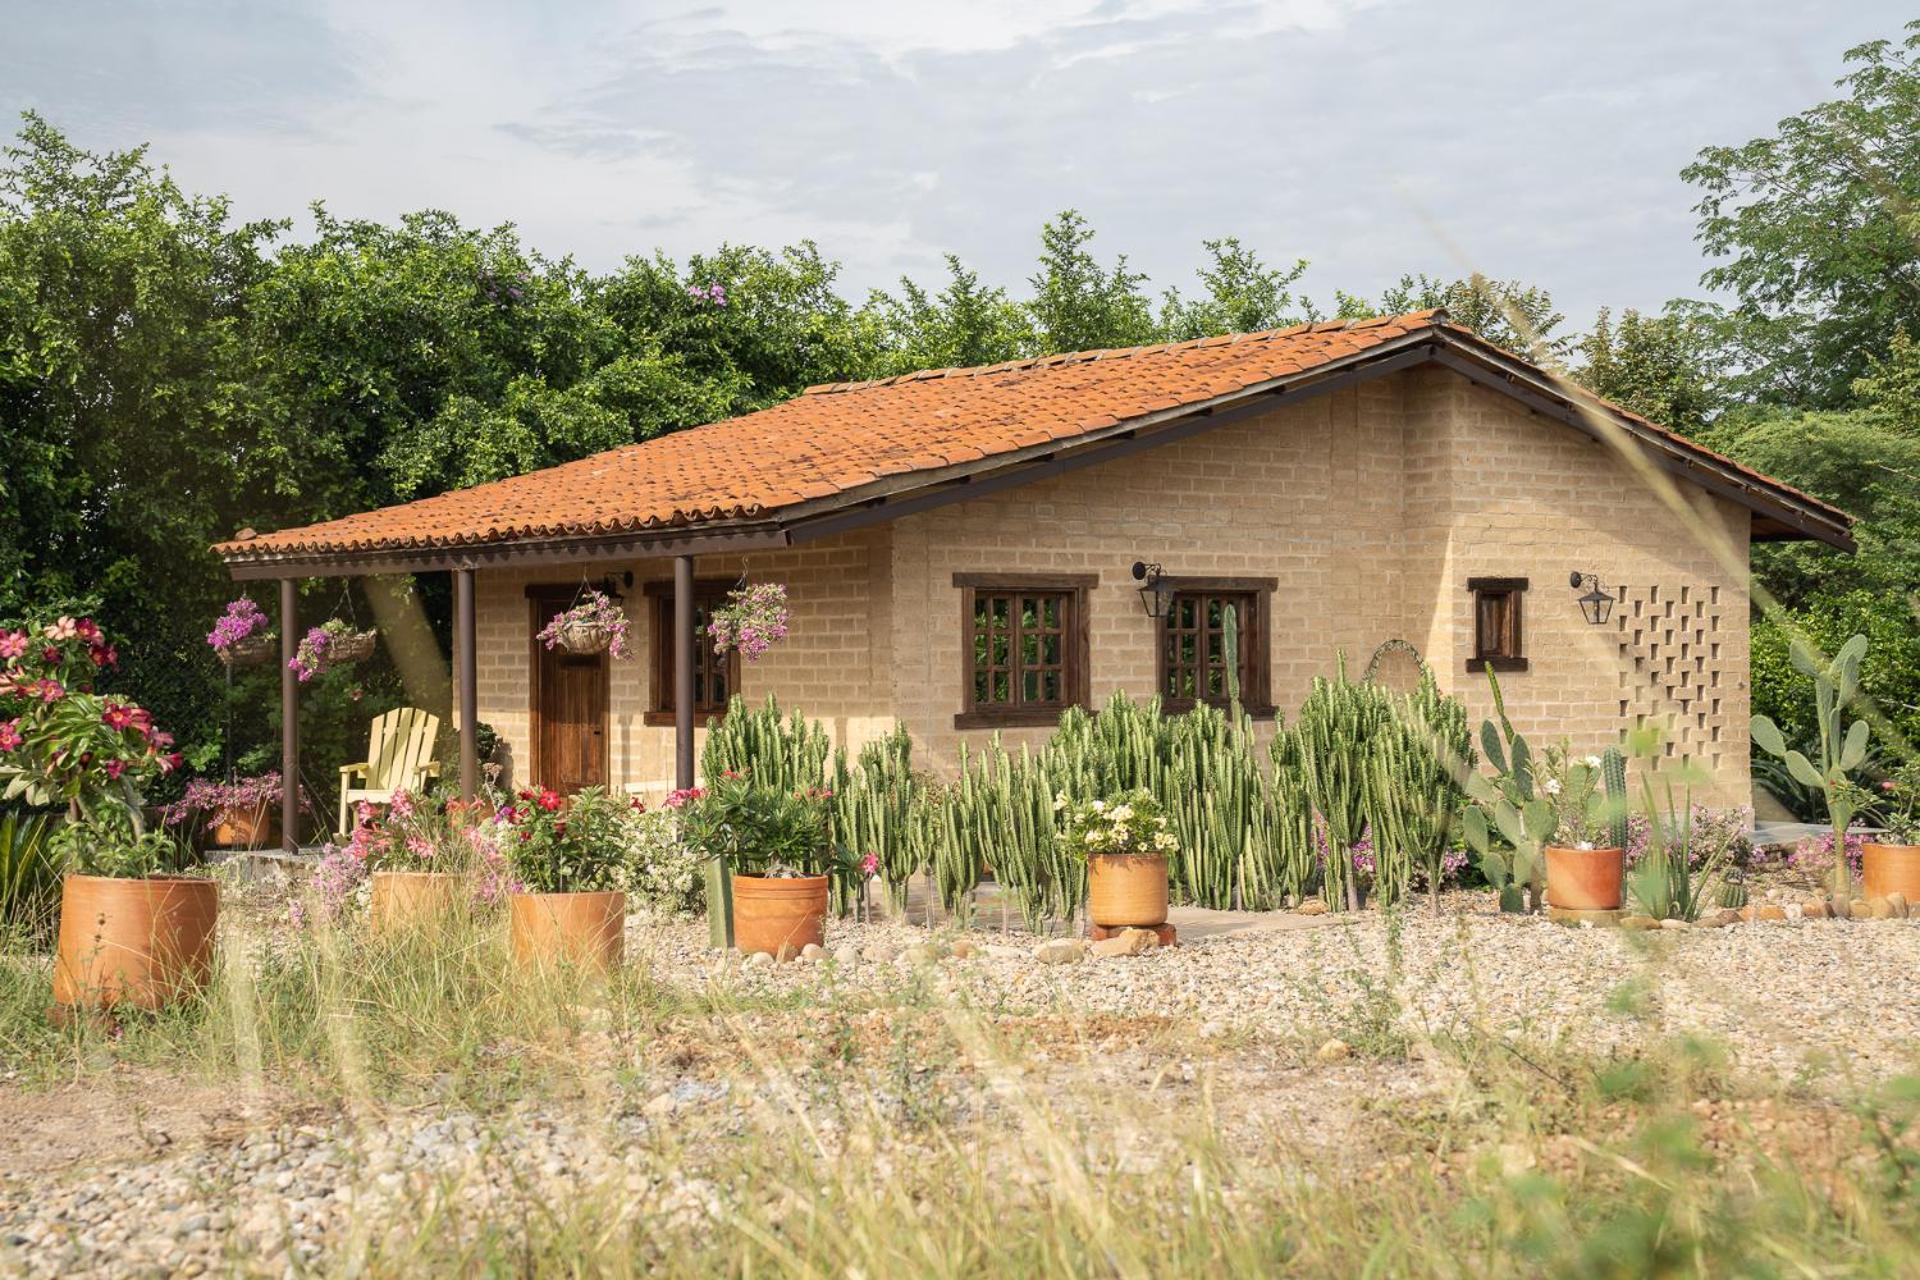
(399, 758)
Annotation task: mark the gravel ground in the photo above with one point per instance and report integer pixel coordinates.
(1227, 1023)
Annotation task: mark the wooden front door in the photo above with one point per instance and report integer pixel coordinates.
(569, 708)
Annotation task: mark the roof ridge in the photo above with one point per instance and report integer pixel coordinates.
(1429, 316)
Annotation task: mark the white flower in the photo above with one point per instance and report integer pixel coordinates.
(1592, 762)
(1099, 806)
(1551, 786)
(1121, 812)
(1059, 803)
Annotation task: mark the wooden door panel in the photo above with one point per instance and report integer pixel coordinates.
(569, 712)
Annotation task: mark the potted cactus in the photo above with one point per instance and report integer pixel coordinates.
(1843, 747)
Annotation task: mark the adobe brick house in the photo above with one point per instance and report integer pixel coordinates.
(959, 548)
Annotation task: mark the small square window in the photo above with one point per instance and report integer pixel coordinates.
(1497, 630)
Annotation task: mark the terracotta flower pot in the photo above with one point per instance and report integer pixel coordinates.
(1585, 879)
(257, 828)
(771, 913)
(586, 929)
(1891, 868)
(410, 899)
(1127, 890)
(133, 942)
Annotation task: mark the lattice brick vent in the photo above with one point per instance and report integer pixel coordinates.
(1670, 641)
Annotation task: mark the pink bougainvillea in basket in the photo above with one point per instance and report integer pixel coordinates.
(751, 620)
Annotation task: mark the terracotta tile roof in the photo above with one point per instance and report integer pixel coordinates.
(842, 436)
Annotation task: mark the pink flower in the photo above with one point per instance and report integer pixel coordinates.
(549, 799)
(12, 644)
(64, 629)
(115, 768)
(117, 716)
(10, 738)
(869, 864)
(50, 690)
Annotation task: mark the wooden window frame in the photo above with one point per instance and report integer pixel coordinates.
(1505, 657)
(659, 597)
(1075, 671)
(1256, 654)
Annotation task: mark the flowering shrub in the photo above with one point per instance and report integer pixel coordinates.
(665, 870)
(1814, 854)
(574, 844)
(1131, 826)
(1892, 804)
(712, 294)
(415, 833)
(242, 619)
(217, 799)
(596, 610)
(1711, 834)
(763, 830)
(751, 620)
(62, 744)
(1582, 812)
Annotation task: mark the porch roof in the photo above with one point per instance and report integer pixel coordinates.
(847, 453)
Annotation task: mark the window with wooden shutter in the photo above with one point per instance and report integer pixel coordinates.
(1023, 647)
(1497, 630)
(716, 677)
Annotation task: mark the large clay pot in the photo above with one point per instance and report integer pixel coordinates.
(257, 828)
(1585, 879)
(773, 914)
(585, 929)
(1891, 868)
(1127, 890)
(412, 899)
(133, 942)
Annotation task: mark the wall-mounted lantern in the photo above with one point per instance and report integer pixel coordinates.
(1595, 605)
(1156, 593)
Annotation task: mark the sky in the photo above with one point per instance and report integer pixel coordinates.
(1540, 141)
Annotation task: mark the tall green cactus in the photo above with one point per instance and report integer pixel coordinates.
(1613, 771)
(1412, 787)
(1843, 747)
(1338, 727)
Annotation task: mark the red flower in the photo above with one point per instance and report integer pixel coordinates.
(549, 799)
(50, 654)
(171, 761)
(117, 716)
(115, 768)
(104, 655)
(50, 690)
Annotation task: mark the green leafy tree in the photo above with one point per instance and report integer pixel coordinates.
(1242, 295)
(1663, 367)
(1507, 313)
(1818, 227)
(1079, 305)
(964, 325)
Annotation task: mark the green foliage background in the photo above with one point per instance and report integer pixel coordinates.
(169, 375)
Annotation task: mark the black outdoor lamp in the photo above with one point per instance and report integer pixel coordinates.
(1156, 593)
(1596, 604)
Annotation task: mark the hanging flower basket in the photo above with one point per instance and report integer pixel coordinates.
(585, 638)
(751, 621)
(329, 645)
(595, 624)
(250, 652)
(241, 636)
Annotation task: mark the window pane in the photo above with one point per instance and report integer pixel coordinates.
(1188, 609)
(1002, 609)
(1050, 613)
(980, 686)
(1029, 648)
(1030, 686)
(1050, 651)
(1001, 649)
(1050, 686)
(1002, 690)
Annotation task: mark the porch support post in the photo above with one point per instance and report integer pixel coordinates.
(289, 716)
(468, 698)
(719, 886)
